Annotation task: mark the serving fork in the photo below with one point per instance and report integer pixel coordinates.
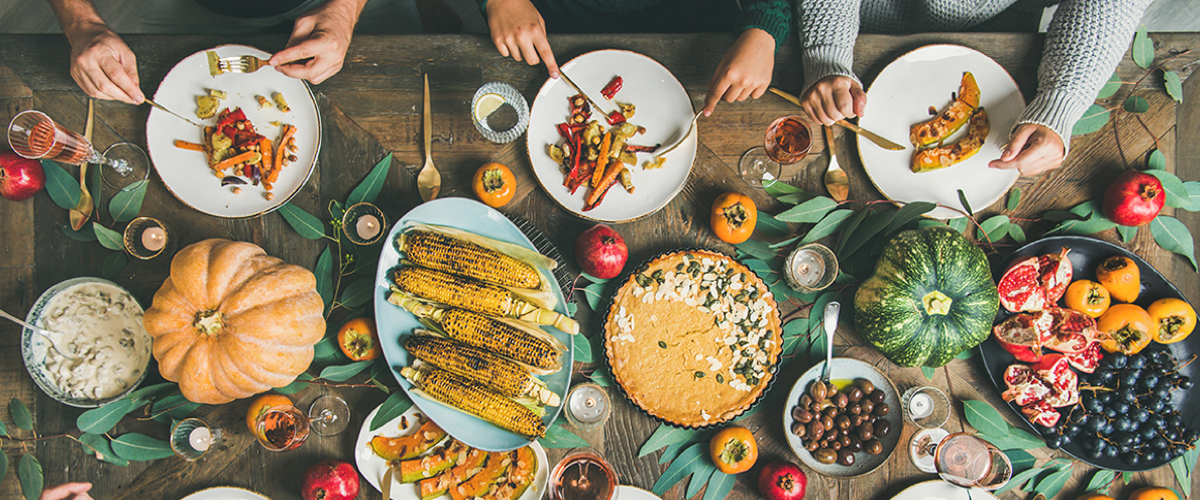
(233, 64)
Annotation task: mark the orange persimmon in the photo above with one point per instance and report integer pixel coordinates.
(1173, 320)
(1153, 493)
(1125, 328)
(733, 217)
(494, 184)
(1121, 276)
(1087, 297)
(358, 340)
(733, 450)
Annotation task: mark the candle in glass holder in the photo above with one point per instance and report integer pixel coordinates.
(154, 238)
(588, 405)
(367, 227)
(920, 406)
(807, 268)
(200, 439)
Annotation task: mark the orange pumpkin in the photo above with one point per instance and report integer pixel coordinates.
(231, 322)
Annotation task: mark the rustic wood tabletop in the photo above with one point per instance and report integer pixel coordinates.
(372, 108)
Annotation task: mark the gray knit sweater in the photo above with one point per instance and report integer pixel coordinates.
(1084, 43)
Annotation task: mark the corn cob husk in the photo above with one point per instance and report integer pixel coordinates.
(482, 367)
(530, 346)
(462, 394)
(476, 296)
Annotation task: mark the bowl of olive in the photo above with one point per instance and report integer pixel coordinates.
(846, 427)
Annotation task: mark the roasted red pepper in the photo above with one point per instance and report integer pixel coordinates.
(565, 131)
(616, 118)
(633, 148)
(612, 88)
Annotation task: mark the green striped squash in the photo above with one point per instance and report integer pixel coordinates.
(931, 297)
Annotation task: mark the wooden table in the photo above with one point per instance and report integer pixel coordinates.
(373, 107)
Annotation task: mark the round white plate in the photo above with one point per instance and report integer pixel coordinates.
(663, 108)
(941, 490)
(225, 493)
(186, 173)
(634, 493)
(901, 96)
(372, 467)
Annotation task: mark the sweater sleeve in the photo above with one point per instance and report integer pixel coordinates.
(773, 16)
(1085, 41)
(828, 29)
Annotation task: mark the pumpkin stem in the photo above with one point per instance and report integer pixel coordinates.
(936, 303)
(209, 322)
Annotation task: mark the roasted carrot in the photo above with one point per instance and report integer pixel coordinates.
(268, 161)
(181, 144)
(610, 177)
(288, 131)
(229, 162)
(605, 145)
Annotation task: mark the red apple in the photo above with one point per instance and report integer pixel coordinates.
(601, 252)
(1134, 199)
(782, 481)
(20, 177)
(330, 479)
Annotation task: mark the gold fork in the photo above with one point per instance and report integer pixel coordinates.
(234, 64)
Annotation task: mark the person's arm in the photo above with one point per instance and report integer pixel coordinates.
(1085, 41)
(322, 34)
(68, 491)
(828, 29)
(101, 63)
(746, 69)
(518, 30)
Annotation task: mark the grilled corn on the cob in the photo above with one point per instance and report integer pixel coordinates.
(480, 366)
(543, 353)
(472, 398)
(476, 296)
(455, 256)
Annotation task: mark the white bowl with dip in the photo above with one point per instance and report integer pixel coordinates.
(104, 323)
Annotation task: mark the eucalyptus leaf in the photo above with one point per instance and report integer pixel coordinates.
(962, 198)
(97, 445)
(770, 227)
(1143, 55)
(1020, 459)
(1193, 190)
(593, 279)
(968, 354)
(1110, 87)
(1127, 233)
(848, 228)
(1014, 199)
(832, 223)
(308, 225)
(699, 480)
(327, 352)
(1085, 209)
(29, 472)
(61, 187)
(985, 418)
(797, 326)
(20, 414)
(359, 292)
(582, 350)
(140, 447)
(757, 249)
(342, 373)
(395, 405)
(3, 432)
(929, 372)
(1019, 479)
(1054, 482)
(690, 460)
(572, 308)
(1101, 480)
(559, 437)
(780, 188)
(601, 377)
(793, 345)
(1083, 227)
(3, 464)
(1061, 215)
(908, 213)
(101, 420)
(870, 227)
(1136, 104)
(1014, 439)
(85, 233)
(368, 189)
(593, 295)
(324, 275)
(958, 224)
(780, 244)
(1157, 160)
(108, 238)
(113, 264)
(1182, 475)
(147, 393)
(810, 211)
(296, 385)
(1094, 119)
(796, 198)
(1177, 192)
(1127, 477)
(719, 486)
(1173, 235)
(127, 202)
(995, 227)
(1173, 84)
(182, 411)
(1017, 234)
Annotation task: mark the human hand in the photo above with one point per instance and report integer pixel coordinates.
(323, 35)
(103, 65)
(519, 32)
(745, 71)
(1032, 149)
(833, 98)
(69, 491)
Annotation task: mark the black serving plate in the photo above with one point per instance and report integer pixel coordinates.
(1085, 255)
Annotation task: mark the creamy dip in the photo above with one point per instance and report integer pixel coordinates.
(104, 337)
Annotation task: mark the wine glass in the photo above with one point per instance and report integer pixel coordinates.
(583, 475)
(787, 141)
(329, 415)
(281, 428)
(34, 135)
(961, 459)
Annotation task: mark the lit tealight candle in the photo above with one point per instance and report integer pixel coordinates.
(154, 238)
(920, 406)
(200, 439)
(367, 227)
(808, 268)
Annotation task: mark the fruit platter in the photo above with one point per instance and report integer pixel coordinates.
(1139, 389)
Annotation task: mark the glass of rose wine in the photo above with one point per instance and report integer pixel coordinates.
(583, 475)
(281, 428)
(34, 135)
(787, 141)
(961, 459)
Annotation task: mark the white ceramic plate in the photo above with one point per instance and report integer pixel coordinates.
(372, 467)
(394, 323)
(663, 107)
(225, 493)
(186, 173)
(901, 96)
(941, 490)
(846, 369)
(634, 493)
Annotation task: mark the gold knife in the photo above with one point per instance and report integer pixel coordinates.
(177, 115)
(871, 136)
(595, 106)
(385, 486)
(835, 178)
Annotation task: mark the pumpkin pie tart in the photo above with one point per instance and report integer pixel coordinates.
(693, 338)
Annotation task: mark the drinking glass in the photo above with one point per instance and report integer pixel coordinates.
(281, 428)
(329, 415)
(787, 141)
(34, 135)
(925, 407)
(961, 459)
(583, 475)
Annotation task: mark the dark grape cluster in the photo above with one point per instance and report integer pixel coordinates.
(1125, 410)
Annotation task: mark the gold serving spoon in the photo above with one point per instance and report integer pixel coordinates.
(429, 181)
(835, 178)
(83, 210)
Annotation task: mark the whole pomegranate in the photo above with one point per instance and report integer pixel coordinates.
(782, 481)
(330, 479)
(1134, 199)
(601, 252)
(20, 177)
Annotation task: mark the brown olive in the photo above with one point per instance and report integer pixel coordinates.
(831, 411)
(857, 420)
(812, 445)
(831, 388)
(842, 421)
(836, 445)
(882, 428)
(817, 390)
(802, 415)
(865, 432)
(827, 422)
(854, 394)
(799, 429)
(825, 456)
(873, 447)
(855, 445)
(877, 396)
(881, 410)
(831, 435)
(867, 386)
(854, 408)
(845, 440)
(843, 432)
(815, 427)
(840, 400)
(867, 406)
(845, 457)
(806, 401)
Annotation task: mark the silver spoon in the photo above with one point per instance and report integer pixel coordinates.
(832, 310)
(55, 338)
